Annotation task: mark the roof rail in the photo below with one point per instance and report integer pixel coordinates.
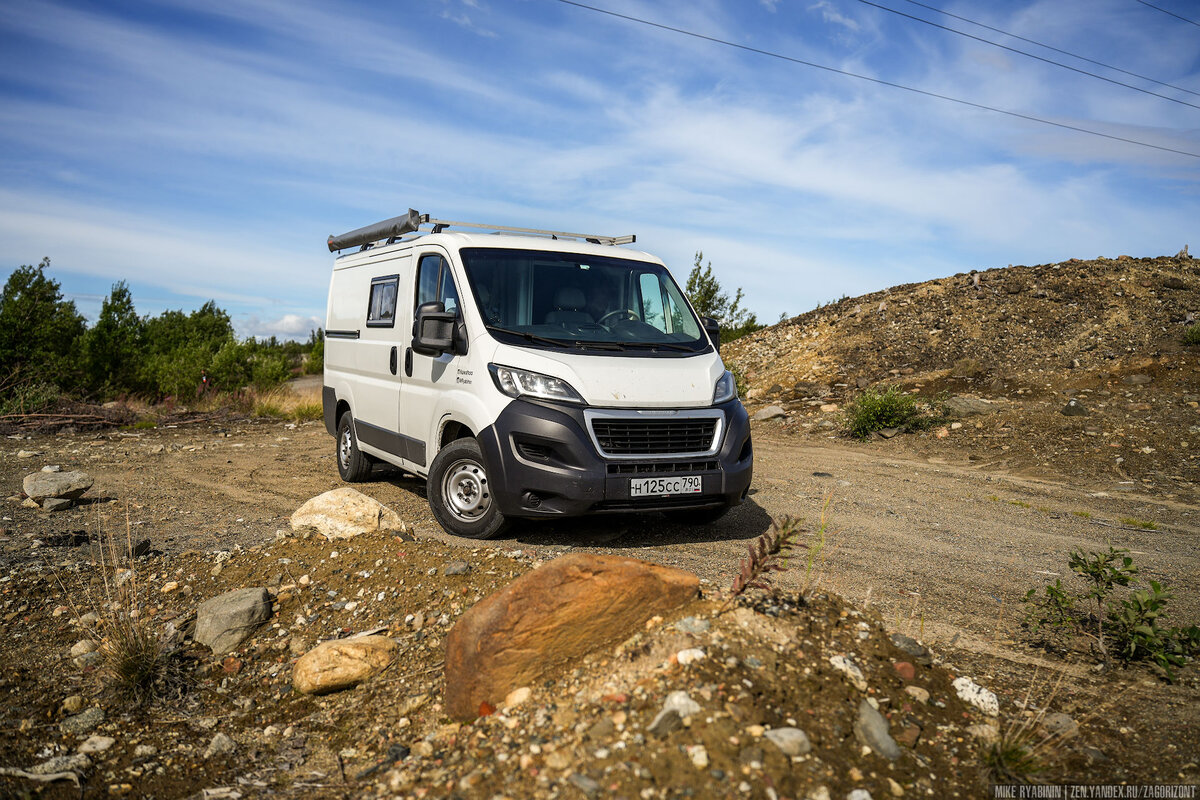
(392, 229)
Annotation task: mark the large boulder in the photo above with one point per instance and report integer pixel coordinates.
(66, 485)
(342, 663)
(550, 617)
(227, 620)
(344, 513)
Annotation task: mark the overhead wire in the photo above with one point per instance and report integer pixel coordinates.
(880, 81)
(1052, 47)
(1028, 54)
(1169, 13)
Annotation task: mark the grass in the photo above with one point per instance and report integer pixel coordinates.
(814, 565)
(1191, 335)
(1144, 524)
(1019, 503)
(1082, 514)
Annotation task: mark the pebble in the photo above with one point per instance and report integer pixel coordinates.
(896, 789)
(844, 665)
(72, 704)
(1057, 723)
(689, 656)
(699, 756)
(976, 695)
(220, 745)
(584, 784)
(872, 730)
(169, 587)
(858, 794)
(81, 647)
(517, 696)
(96, 744)
(790, 741)
(82, 723)
(905, 670)
(456, 568)
(144, 751)
(76, 763)
(693, 625)
(919, 694)
(819, 793)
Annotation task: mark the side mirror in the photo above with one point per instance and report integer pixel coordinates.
(713, 329)
(433, 329)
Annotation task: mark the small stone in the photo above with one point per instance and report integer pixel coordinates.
(890, 433)
(76, 763)
(82, 723)
(896, 789)
(1128, 380)
(1059, 724)
(517, 696)
(819, 793)
(583, 783)
(872, 730)
(667, 721)
(67, 485)
(912, 647)
(52, 468)
(984, 732)
(1073, 408)
(693, 625)
(96, 744)
(859, 794)
(919, 694)
(905, 670)
(144, 751)
(456, 568)
(27, 453)
(81, 647)
(790, 741)
(342, 663)
(220, 745)
(769, 413)
(699, 756)
(225, 621)
(53, 504)
(829, 408)
(976, 695)
(72, 704)
(689, 656)
(844, 665)
(169, 587)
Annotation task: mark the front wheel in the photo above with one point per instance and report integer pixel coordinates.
(698, 516)
(353, 465)
(460, 493)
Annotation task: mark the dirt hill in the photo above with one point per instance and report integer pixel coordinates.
(1106, 332)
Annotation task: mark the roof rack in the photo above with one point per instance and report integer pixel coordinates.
(392, 229)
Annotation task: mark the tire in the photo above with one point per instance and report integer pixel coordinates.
(353, 465)
(698, 516)
(459, 495)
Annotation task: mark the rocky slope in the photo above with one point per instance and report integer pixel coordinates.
(1107, 332)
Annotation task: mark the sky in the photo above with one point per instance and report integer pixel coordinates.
(202, 149)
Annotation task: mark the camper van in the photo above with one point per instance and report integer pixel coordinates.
(527, 374)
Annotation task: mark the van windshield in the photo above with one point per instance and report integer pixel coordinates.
(549, 299)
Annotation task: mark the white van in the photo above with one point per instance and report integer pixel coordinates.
(527, 374)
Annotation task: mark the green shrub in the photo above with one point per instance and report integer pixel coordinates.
(1132, 632)
(27, 397)
(876, 409)
(1191, 335)
(739, 377)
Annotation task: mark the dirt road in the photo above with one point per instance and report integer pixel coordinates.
(942, 548)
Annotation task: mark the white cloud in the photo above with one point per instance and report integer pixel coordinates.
(289, 326)
(831, 14)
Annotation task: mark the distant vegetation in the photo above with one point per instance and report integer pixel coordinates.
(705, 294)
(47, 350)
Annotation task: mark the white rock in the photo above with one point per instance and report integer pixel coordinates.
(96, 744)
(680, 703)
(344, 513)
(219, 746)
(689, 656)
(844, 665)
(517, 696)
(976, 695)
(81, 647)
(699, 756)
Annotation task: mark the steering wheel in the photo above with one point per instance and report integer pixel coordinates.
(620, 313)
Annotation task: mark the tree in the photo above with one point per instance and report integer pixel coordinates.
(39, 331)
(710, 300)
(113, 346)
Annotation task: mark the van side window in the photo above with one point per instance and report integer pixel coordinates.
(381, 307)
(434, 282)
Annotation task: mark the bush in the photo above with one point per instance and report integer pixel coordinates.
(1191, 335)
(27, 397)
(1133, 632)
(876, 409)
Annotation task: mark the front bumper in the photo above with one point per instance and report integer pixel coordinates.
(541, 462)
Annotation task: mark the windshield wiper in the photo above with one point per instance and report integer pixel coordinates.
(586, 343)
(534, 338)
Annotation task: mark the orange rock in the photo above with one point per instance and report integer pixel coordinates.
(342, 663)
(550, 617)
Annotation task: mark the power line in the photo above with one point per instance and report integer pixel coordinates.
(1171, 13)
(1029, 55)
(879, 81)
(1055, 49)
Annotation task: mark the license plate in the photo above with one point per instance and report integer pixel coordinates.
(663, 487)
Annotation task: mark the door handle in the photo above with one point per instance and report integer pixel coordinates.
(408, 362)
(392, 361)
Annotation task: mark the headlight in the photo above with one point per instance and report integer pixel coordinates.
(523, 383)
(726, 389)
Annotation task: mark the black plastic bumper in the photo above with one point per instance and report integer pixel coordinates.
(542, 463)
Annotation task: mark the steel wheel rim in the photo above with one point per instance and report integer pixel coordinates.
(345, 448)
(465, 490)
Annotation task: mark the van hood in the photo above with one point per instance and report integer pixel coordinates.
(624, 381)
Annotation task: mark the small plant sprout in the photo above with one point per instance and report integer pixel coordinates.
(768, 553)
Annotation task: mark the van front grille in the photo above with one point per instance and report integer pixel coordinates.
(627, 436)
(662, 467)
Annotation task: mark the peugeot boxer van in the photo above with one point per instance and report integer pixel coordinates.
(527, 374)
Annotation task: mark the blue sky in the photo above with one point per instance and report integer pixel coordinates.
(203, 149)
